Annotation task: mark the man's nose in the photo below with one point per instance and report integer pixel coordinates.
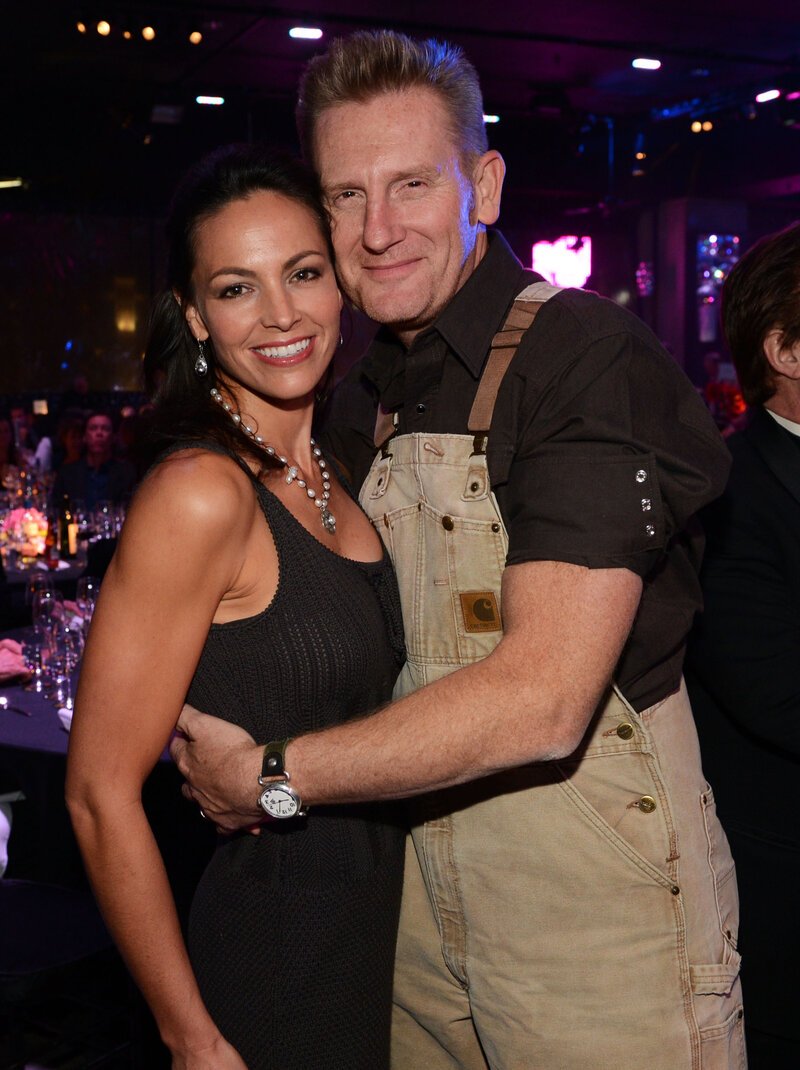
(382, 226)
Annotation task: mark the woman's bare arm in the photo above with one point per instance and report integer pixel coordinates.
(182, 550)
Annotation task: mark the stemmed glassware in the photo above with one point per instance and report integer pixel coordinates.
(86, 592)
(37, 581)
(66, 647)
(45, 606)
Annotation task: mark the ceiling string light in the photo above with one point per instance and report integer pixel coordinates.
(149, 32)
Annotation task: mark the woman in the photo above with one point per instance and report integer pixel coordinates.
(279, 626)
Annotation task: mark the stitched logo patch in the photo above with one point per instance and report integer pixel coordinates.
(480, 611)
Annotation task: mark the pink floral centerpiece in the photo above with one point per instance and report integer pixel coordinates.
(25, 531)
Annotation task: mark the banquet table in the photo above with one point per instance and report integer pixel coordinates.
(42, 846)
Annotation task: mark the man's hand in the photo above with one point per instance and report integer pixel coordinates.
(12, 661)
(221, 764)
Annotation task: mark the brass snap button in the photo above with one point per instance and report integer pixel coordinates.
(474, 486)
(647, 804)
(447, 523)
(495, 528)
(625, 730)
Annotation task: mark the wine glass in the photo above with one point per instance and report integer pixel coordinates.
(45, 607)
(86, 591)
(37, 581)
(105, 523)
(35, 657)
(60, 678)
(66, 644)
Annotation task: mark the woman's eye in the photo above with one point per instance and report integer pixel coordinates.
(235, 290)
(306, 274)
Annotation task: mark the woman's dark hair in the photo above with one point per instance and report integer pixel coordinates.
(184, 410)
(761, 294)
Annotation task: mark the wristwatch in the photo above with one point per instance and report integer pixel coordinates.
(278, 799)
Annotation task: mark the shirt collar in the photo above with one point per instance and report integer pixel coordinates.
(792, 427)
(467, 324)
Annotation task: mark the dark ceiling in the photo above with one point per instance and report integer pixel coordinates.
(80, 119)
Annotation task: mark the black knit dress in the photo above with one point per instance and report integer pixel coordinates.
(292, 932)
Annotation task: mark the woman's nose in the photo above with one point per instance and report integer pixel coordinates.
(279, 310)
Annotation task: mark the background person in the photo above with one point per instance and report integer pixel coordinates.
(745, 648)
(9, 458)
(97, 476)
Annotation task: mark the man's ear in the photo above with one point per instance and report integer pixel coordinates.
(487, 186)
(784, 360)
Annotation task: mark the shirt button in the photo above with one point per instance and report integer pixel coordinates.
(641, 476)
(650, 529)
(647, 505)
(420, 408)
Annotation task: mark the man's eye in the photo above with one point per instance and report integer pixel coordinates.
(344, 197)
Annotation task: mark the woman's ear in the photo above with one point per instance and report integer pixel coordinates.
(195, 320)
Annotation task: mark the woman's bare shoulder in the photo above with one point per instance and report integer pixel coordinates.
(198, 484)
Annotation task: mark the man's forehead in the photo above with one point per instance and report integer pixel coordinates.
(390, 134)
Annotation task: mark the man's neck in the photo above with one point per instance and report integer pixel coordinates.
(786, 403)
(95, 460)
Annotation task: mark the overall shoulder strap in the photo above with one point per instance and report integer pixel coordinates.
(504, 345)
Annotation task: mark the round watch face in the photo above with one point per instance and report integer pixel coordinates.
(279, 801)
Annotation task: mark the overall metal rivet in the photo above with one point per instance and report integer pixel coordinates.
(447, 523)
(647, 804)
(625, 730)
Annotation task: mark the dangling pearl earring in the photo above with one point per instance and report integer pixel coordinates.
(201, 364)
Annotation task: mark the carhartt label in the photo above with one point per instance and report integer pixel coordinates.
(480, 611)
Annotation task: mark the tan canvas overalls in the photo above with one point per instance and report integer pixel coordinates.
(570, 915)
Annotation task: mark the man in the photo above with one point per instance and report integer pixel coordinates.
(97, 476)
(562, 914)
(744, 655)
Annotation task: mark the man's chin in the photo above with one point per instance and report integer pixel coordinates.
(398, 316)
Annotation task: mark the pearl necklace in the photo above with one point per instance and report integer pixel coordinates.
(292, 471)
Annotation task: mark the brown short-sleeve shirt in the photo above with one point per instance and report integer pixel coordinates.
(600, 450)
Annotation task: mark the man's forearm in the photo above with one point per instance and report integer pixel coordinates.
(529, 700)
(470, 724)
